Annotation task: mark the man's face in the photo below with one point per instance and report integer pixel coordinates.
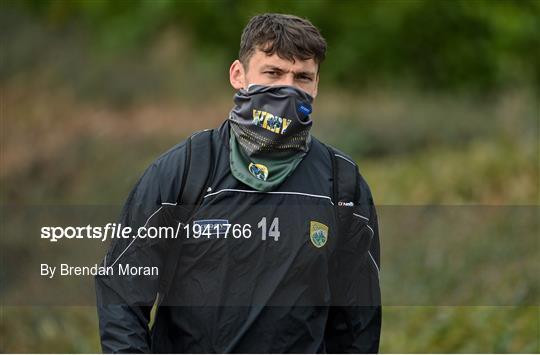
(270, 70)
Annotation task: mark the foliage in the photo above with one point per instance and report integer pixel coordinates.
(476, 46)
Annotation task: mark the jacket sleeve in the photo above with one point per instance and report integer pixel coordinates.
(124, 302)
(354, 321)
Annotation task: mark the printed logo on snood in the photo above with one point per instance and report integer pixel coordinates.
(270, 134)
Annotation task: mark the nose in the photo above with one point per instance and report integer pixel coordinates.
(287, 79)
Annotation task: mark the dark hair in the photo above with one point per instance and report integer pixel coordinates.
(287, 35)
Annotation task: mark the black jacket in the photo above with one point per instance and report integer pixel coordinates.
(274, 293)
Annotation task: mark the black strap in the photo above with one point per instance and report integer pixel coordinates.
(335, 175)
(344, 187)
(196, 177)
(200, 157)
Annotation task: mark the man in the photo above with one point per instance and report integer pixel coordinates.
(298, 270)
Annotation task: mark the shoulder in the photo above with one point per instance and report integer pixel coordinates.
(162, 178)
(172, 156)
(175, 158)
(351, 168)
(329, 149)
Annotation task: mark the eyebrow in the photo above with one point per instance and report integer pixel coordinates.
(273, 67)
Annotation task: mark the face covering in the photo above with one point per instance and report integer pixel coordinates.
(270, 134)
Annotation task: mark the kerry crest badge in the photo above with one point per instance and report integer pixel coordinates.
(259, 171)
(318, 233)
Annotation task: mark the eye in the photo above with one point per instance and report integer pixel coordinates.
(305, 78)
(271, 72)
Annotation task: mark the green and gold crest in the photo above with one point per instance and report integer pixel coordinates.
(318, 233)
(259, 171)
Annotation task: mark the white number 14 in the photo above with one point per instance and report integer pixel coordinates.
(273, 232)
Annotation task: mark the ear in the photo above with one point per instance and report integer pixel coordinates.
(237, 75)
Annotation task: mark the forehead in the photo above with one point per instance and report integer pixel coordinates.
(260, 59)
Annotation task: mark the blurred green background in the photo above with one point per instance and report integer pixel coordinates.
(437, 101)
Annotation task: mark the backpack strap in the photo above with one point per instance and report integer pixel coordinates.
(197, 172)
(344, 187)
(197, 175)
